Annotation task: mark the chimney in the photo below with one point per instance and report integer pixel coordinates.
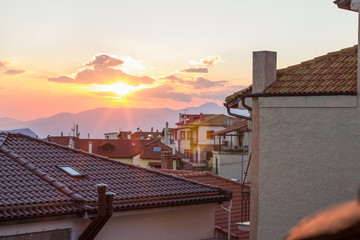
(90, 147)
(88, 135)
(166, 160)
(152, 129)
(166, 133)
(71, 143)
(264, 70)
(202, 117)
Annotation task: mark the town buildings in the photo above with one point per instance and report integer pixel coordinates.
(143, 153)
(194, 136)
(49, 191)
(305, 131)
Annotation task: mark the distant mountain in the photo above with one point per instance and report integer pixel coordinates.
(98, 121)
(25, 131)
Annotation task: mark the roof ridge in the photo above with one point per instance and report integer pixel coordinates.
(317, 59)
(58, 185)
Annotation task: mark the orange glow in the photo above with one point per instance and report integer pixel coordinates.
(119, 89)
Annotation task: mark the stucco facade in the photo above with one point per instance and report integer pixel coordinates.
(307, 158)
(169, 223)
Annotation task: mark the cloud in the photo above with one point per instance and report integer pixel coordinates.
(102, 71)
(4, 63)
(160, 92)
(195, 70)
(222, 93)
(210, 60)
(14, 72)
(106, 94)
(104, 61)
(199, 83)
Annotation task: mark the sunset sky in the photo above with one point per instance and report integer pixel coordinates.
(71, 56)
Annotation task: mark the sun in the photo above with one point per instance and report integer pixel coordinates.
(120, 89)
(117, 90)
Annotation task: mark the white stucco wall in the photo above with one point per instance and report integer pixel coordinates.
(177, 223)
(77, 226)
(192, 222)
(230, 165)
(309, 158)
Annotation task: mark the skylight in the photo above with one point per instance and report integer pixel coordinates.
(157, 149)
(71, 171)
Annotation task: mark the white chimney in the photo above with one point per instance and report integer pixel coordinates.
(90, 147)
(264, 70)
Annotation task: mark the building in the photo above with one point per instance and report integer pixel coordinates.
(232, 151)
(194, 135)
(49, 191)
(240, 206)
(305, 131)
(138, 134)
(143, 153)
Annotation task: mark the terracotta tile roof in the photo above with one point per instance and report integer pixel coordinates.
(138, 135)
(333, 73)
(33, 185)
(121, 148)
(148, 152)
(220, 214)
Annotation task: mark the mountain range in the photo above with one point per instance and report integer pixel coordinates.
(98, 121)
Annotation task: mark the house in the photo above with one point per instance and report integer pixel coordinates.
(194, 135)
(305, 131)
(232, 151)
(49, 191)
(240, 206)
(144, 153)
(138, 134)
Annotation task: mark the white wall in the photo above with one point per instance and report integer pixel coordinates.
(230, 165)
(192, 222)
(77, 226)
(309, 158)
(177, 223)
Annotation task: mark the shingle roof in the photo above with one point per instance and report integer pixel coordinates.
(333, 73)
(33, 185)
(121, 148)
(148, 152)
(220, 215)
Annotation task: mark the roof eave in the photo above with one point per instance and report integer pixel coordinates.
(344, 4)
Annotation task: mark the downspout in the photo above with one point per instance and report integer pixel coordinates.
(237, 115)
(105, 210)
(228, 210)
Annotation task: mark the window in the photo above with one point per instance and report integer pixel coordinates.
(182, 134)
(209, 134)
(187, 153)
(156, 149)
(188, 135)
(71, 171)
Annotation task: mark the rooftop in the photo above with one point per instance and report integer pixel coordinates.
(220, 214)
(32, 184)
(333, 73)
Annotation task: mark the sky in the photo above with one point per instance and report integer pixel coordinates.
(72, 56)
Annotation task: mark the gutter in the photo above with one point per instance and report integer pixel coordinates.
(105, 211)
(236, 115)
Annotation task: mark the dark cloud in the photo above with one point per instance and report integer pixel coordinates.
(195, 70)
(62, 79)
(201, 82)
(210, 60)
(14, 72)
(160, 92)
(104, 61)
(103, 73)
